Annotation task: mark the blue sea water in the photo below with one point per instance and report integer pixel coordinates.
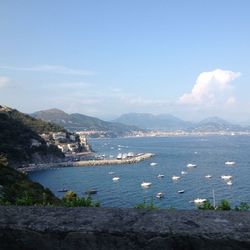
(172, 155)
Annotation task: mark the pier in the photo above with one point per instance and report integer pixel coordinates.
(85, 163)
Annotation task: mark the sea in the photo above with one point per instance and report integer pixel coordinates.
(172, 154)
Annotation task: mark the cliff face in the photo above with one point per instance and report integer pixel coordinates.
(99, 228)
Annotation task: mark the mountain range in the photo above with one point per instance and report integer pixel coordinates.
(78, 122)
(131, 122)
(171, 123)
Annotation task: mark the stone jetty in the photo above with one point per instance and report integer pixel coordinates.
(102, 162)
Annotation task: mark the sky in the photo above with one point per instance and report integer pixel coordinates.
(105, 58)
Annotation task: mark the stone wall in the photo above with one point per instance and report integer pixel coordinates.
(102, 228)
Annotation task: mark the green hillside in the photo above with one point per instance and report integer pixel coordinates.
(17, 131)
(17, 189)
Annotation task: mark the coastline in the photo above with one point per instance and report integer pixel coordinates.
(87, 163)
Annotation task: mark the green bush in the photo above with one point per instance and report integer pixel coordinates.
(224, 205)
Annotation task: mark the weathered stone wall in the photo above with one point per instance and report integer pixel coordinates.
(100, 228)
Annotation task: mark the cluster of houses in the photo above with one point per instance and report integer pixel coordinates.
(66, 142)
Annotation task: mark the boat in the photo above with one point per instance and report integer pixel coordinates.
(190, 165)
(181, 191)
(199, 201)
(230, 163)
(153, 164)
(91, 191)
(124, 156)
(226, 177)
(175, 178)
(159, 195)
(131, 154)
(116, 178)
(146, 184)
(160, 175)
(119, 156)
(208, 176)
(183, 172)
(63, 190)
(230, 183)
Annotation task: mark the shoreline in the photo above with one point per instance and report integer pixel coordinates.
(88, 163)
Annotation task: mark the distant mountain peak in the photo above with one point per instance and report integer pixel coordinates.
(53, 111)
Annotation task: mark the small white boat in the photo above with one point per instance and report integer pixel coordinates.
(111, 172)
(226, 177)
(230, 163)
(175, 178)
(153, 164)
(183, 172)
(190, 165)
(146, 184)
(159, 195)
(116, 178)
(181, 191)
(230, 183)
(119, 156)
(199, 201)
(208, 176)
(160, 176)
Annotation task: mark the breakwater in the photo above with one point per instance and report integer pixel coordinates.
(85, 163)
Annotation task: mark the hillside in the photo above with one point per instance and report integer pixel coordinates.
(78, 122)
(17, 189)
(19, 132)
(155, 122)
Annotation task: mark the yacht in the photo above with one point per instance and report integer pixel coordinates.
(116, 178)
(160, 175)
(199, 201)
(175, 178)
(208, 176)
(181, 191)
(119, 156)
(226, 177)
(146, 184)
(153, 164)
(190, 165)
(230, 163)
(159, 195)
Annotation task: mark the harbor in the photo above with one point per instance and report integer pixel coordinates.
(98, 162)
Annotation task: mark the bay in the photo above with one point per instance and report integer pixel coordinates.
(172, 154)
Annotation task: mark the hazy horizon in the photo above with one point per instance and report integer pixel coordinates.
(103, 59)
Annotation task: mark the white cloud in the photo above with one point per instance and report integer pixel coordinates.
(4, 81)
(209, 86)
(56, 69)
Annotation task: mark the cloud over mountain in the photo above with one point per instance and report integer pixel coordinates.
(209, 87)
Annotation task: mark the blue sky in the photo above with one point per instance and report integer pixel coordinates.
(104, 58)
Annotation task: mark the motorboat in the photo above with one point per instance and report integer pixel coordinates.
(230, 183)
(153, 164)
(160, 175)
(183, 172)
(146, 184)
(119, 156)
(190, 165)
(226, 177)
(91, 191)
(199, 201)
(229, 163)
(116, 178)
(208, 176)
(63, 190)
(159, 195)
(181, 191)
(175, 178)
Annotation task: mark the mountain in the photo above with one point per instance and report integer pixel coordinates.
(77, 122)
(155, 122)
(213, 124)
(19, 132)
